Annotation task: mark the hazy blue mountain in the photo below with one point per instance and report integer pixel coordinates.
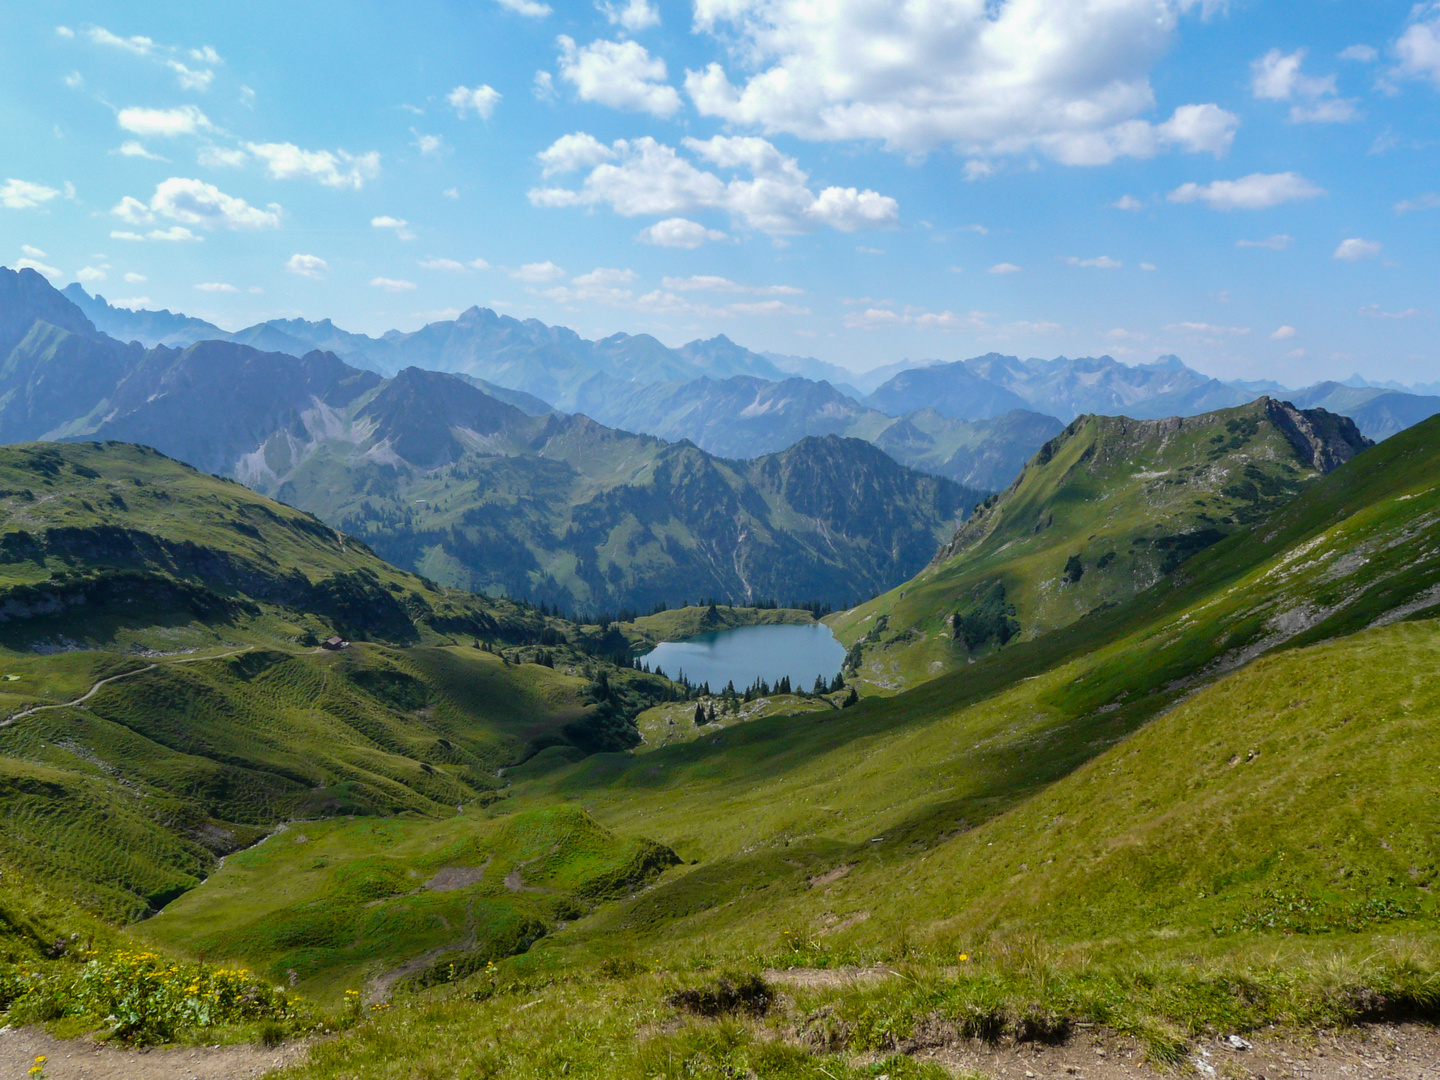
(952, 390)
(150, 328)
(1378, 412)
(986, 454)
(473, 490)
(807, 367)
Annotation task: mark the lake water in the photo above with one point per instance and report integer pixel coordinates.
(748, 653)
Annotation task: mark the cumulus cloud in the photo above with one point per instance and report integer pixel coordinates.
(1004, 268)
(428, 144)
(620, 74)
(135, 149)
(1276, 76)
(1375, 311)
(1284, 333)
(1102, 262)
(538, 272)
(711, 283)
(1365, 54)
(23, 195)
(1428, 201)
(38, 267)
(1278, 242)
(480, 100)
(531, 9)
(443, 264)
(171, 56)
(1128, 202)
(543, 87)
(990, 79)
(175, 234)
(633, 15)
(392, 284)
(220, 157)
(195, 203)
(1258, 191)
(91, 273)
(883, 318)
(649, 177)
(572, 152)
(33, 252)
(163, 123)
(1355, 249)
(286, 161)
(1206, 330)
(1417, 51)
(133, 278)
(679, 232)
(134, 303)
(216, 287)
(311, 266)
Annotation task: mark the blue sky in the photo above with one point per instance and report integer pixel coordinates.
(1251, 185)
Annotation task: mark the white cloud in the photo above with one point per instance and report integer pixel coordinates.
(190, 78)
(133, 278)
(174, 234)
(1121, 334)
(994, 78)
(1004, 268)
(571, 152)
(481, 100)
(883, 318)
(91, 273)
(286, 161)
(1128, 202)
(1102, 262)
(392, 284)
(1207, 330)
(135, 149)
(529, 8)
(620, 74)
(428, 144)
(538, 272)
(648, 177)
(1375, 311)
(194, 202)
(23, 195)
(443, 264)
(140, 46)
(1365, 54)
(1276, 76)
(220, 157)
(311, 266)
(1148, 267)
(1417, 52)
(710, 283)
(1278, 242)
(634, 15)
(768, 308)
(34, 252)
(1258, 191)
(163, 123)
(38, 267)
(479, 264)
(64, 32)
(451, 193)
(74, 80)
(400, 225)
(1428, 201)
(1355, 249)
(1283, 334)
(543, 86)
(216, 287)
(679, 232)
(134, 303)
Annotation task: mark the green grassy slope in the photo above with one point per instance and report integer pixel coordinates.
(1103, 512)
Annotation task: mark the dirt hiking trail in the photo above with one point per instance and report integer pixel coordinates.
(81, 1059)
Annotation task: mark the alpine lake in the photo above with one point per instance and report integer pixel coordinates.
(746, 653)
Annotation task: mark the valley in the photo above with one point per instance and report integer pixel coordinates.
(360, 710)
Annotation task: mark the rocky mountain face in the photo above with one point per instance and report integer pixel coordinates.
(472, 490)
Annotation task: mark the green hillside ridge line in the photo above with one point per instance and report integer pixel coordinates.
(1104, 511)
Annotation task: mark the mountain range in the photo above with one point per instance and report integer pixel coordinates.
(475, 491)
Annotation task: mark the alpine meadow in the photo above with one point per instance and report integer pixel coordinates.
(681, 540)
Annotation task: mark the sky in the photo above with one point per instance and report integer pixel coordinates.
(1251, 185)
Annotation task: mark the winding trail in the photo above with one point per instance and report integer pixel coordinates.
(113, 678)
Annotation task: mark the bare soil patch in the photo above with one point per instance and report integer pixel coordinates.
(82, 1059)
(451, 878)
(1383, 1052)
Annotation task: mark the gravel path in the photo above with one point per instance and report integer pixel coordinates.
(81, 1059)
